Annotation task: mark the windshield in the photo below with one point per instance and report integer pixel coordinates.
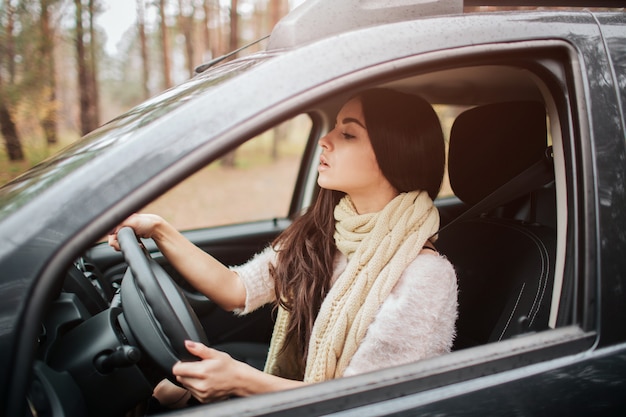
(21, 190)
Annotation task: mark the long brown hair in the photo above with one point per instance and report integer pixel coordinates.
(408, 143)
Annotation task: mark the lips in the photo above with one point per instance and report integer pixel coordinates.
(323, 165)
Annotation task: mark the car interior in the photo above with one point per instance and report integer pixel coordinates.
(494, 145)
(503, 221)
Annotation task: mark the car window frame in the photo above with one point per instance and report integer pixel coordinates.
(565, 80)
(499, 360)
(583, 335)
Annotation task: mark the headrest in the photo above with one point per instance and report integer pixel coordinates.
(491, 144)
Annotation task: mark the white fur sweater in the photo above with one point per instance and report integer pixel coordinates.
(417, 320)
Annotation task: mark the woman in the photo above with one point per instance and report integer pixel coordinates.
(357, 280)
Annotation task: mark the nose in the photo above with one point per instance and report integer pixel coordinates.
(324, 142)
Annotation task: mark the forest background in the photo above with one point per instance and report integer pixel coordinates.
(59, 80)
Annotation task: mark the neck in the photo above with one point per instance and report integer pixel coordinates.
(373, 202)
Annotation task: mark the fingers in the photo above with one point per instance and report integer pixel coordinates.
(134, 221)
(209, 379)
(112, 240)
(170, 395)
(211, 360)
(200, 350)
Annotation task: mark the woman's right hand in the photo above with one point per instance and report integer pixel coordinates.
(201, 270)
(144, 226)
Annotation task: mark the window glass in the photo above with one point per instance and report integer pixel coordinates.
(254, 182)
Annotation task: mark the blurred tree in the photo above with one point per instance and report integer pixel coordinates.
(206, 32)
(229, 159)
(51, 53)
(143, 47)
(85, 64)
(46, 55)
(165, 54)
(213, 16)
(12, 141)
(186, 19)
(277, 9)
(93, 66)
(9, 132)
(8, 128)
(234, 26)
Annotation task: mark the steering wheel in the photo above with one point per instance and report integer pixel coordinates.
(155, 309)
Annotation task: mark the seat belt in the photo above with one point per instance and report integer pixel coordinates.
(537, 175)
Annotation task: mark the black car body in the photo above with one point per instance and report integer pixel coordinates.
(565, 356)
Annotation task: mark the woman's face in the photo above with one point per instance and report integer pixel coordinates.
(348, 163)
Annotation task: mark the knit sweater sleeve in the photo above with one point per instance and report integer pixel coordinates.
(416, 321)
(257, 280)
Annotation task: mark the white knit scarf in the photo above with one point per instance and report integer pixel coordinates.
(379, 247)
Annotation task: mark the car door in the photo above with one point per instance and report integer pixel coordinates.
(535, 372)
(572, 366)
(231, 209)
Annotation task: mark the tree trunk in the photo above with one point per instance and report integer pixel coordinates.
(94, 105)
(9, 48)
(167, 80)
(49, 120)
(186, 13)
(145, 65)
(229, 159)
(206, 33)
(234, 26)
(83, 72)
(8, 129)
(217, 41)
(278, 9)
(9, 132)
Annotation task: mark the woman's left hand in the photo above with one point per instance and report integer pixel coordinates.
(217, 376)
(214, 377)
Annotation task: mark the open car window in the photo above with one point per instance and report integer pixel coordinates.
(254, 182)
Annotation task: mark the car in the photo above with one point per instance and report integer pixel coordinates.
(533, 215)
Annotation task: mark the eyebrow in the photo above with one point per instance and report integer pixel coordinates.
(352, 120)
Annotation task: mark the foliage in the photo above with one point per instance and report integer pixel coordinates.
(39, 70)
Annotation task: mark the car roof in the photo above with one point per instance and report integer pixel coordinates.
(317, 19)
(314, 20)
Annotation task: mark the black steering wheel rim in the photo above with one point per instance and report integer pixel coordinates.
(155, 309)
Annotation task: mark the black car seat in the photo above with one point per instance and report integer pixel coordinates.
(500, 166)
